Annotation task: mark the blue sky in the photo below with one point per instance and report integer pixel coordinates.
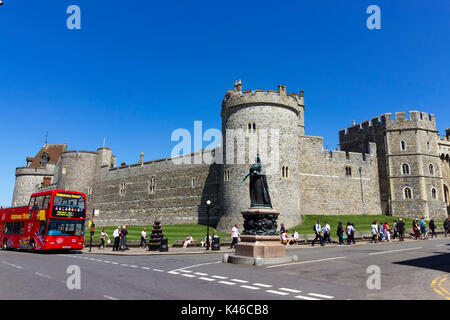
(137, 70)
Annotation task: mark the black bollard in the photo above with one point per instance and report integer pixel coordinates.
(215, 244)
(164, 246)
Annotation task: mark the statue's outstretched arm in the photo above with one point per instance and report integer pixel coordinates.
(245, 177)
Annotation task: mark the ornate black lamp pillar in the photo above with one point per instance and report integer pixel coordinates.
(208, 208)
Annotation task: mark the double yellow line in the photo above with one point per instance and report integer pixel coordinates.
(436, 285)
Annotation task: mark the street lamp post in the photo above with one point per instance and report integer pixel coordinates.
(208, 207)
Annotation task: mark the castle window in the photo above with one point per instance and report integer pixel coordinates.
(433, 194)
(152, 185)
(431, 168)
(227, 175)
(407, 193)
(251, 127)
(89, 191)
(192, 183)
(285, 172)
(405, 169)
(403, 145)
(64, 170)
(428, 145)
(122, 188)
(348, 171)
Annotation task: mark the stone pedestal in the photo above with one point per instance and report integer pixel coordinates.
(260, 243)
(260, 246)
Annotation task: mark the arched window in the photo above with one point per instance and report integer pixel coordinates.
(192, 183)
(251, 127)
(407, 193)
(431, 168)
(227, 175)
(348, 171)
(446, 195)
(433, 194)
(403, 145)
(152, 185)
(405, 169)
(285, 172)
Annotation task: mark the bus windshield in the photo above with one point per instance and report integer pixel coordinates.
(63, 227)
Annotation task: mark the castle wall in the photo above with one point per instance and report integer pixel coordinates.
(326, 186)
(161, 189)
(444, 152)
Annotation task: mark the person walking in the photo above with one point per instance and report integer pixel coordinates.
(423, 229)
(340, 233)
(143, 243)
(282, 229)
(234, 236)
(326, 234)
(446, 227)
(415, 225)
(103, 236)
(394, 227)
(401, 230)
(374, 230)
(433, 229)
(123, 238)
(380, 232)
(116, 236)
(350, 233)
(386, 232)
(318, 230)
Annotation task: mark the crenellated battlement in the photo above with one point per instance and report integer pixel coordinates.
(402, 121)
(237, 97)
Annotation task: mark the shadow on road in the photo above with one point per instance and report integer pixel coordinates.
(440, 262)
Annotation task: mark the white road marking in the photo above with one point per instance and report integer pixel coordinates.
(290, 290)
(110, 298)
(206, 279)
(157, 270)
(200, 274)
(187, 271)
(227, 283)
(197, 265)
(107, 261)
(440, 245)
(114, 262)
(320, 295)
(277, 292)
(219, 277)
(123, 265)
(250, 287)
(13, 265)
(382, 252)
(133, 266)
(173, 272)
(262, 285)
(188, 275)
(303, 262)
(306, 298)
(240, 281)
(43, 275)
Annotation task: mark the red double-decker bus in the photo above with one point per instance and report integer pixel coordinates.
(52, 220)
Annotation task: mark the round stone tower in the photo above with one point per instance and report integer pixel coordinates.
(77, 170)
(268, 123)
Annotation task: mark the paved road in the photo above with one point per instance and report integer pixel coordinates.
(409, 270)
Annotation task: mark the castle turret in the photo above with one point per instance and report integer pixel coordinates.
(268, 123)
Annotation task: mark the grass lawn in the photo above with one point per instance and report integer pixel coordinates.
(180, 231)
(361, 222)
(171, 232)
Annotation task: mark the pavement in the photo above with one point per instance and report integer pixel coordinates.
(411, 270)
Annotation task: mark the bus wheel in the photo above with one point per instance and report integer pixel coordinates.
(5, 245)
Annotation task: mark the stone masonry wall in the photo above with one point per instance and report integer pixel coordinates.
(326, 186)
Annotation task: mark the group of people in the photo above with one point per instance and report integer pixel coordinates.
(120, 239)
(323, 234)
